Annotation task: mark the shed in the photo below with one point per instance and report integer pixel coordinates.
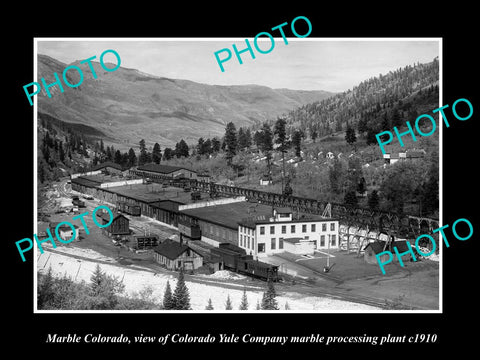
(175, 256)
(299, 246)
(376, 247)
(120, 224)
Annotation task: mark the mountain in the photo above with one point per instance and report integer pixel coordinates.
(127, 105)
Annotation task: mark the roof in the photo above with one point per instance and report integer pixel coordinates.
(283, 210)
(172, 249)
(376, 246)
(106, 216)
(229, 215)
(162, 169)
(108, 164)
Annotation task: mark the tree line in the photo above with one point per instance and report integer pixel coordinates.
(105, 292)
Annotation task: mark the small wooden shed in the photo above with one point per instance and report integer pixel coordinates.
(175, 256)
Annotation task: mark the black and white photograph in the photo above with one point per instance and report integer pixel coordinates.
(261, 189)
(288, 181)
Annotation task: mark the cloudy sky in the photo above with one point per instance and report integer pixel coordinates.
(303, 64)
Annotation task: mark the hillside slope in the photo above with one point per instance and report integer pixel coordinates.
(128, 105)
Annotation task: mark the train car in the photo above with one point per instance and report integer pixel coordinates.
(258, 269)
(234, 258)
(134, 210)
(229, 258)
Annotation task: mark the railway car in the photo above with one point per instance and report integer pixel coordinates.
(234, 258)
(246, 265)
(130, 209)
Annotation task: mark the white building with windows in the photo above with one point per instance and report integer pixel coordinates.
(263, 236)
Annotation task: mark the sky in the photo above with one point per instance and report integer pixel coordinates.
(333, 64)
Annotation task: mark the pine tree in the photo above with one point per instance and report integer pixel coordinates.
(45, 289)
(156, 153)
(228, 304)
(118, 157)
(168, 303)
(297, 142)
(132, 158)
(281, 139)
(209, 305)
(350, 199)
(230, 142)
(181, 296)
(244, 302)
(143, 157)
(287, 307)
(96, 281)
(258, 306)
(181, 149)
(215, 145)
(268, 301)
(350, 136)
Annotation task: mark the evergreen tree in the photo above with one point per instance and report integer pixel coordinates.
(297, 142)
(288, 191)
(168, 153)
(209, 305)
(207, 147)
(168, 303)
(156, 153)
(143, 157)
(61, 152)
(96, 281)
(132, 158)
(230, 141)
(201, 146)
(268, 301)
(103, 290)
(244, 302)
(215, 145)
(280, 133)
(350, 136)
(258, 306)
(102, 148)
(181, 149)
(118, 157)
(228, 304)
(373, 200)
(181, 296)
(287, 307)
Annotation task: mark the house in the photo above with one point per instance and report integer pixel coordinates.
(119, 228)
(176, 255)
(265, 180)
(330, 155)
(65, 232)
(158, 171)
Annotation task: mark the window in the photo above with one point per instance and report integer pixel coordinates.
(284, 229)
(332, 226)
(312, 228)
(241, 240)
(292, 229)
(324, 227)
(273, 244)
(334, 238)
(272, 229)
(262, 230)
(307, 237)
(304, 228)
(322, 240)
(248, 241)
(261, 248)
(280, 243)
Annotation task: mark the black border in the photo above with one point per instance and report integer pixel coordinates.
(460, 70)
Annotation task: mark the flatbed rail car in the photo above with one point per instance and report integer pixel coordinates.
(241, 263)
(130, 209)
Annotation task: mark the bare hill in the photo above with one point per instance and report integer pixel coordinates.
(127, 105)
